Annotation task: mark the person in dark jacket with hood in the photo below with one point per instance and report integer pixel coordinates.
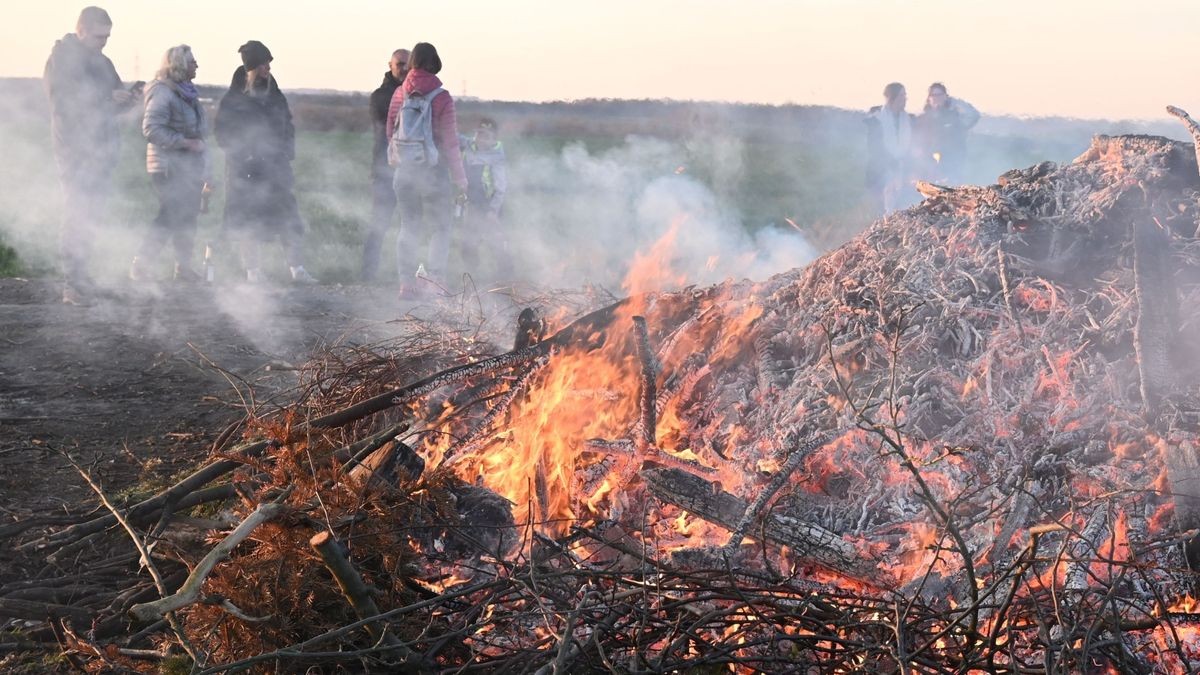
(86, 97)
(383, 197)
(254, 127)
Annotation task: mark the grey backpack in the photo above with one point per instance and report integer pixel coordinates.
(411, 143)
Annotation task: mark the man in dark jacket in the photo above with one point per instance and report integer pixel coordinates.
(383, 197)
(86, 97)
(254, 127)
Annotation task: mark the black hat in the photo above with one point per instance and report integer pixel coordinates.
(254, 54)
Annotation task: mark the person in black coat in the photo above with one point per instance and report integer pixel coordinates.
(942, 134)
(383, 197)
(254, 127)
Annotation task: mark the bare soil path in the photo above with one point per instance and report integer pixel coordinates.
(139, 384)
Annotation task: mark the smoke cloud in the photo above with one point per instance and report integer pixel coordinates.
(580, 217)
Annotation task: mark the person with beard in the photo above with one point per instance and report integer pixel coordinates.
(383, 197)
(942, 131)
(254, 127)
(177, 161)
(86, 98)
(427, 191)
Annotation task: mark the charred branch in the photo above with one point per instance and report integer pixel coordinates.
(810, 543)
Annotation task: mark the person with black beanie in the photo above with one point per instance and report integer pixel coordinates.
(254, 127)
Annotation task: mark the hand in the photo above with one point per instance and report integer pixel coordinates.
(193, 145)
(210, 186)
(122, 96)
(460, 194)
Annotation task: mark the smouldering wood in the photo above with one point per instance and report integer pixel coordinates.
(810, 543)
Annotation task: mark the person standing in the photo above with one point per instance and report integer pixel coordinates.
(177, 161)
(942, 130)
(889, 149)
(86, 97)
(428, 184)
(254, 127)
(383, 197)
(487, 185)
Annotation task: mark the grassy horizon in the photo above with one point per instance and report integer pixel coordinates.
(766, 166)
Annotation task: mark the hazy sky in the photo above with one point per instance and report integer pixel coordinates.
(1096, 58)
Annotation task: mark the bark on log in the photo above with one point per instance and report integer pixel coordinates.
(1156, 296)
(1084, 551)
(809, 543)
(356, 592)
(386, 467)
(354, 453)
(647, 414)
(41, 611)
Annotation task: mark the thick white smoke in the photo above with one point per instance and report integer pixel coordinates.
(580, 217)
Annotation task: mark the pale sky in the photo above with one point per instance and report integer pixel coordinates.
(1097, 58)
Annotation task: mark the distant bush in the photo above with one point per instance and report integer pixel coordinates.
(10, 263)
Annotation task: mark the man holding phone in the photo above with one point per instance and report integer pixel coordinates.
(86, 97)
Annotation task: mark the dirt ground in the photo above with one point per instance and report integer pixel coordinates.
(138, 386)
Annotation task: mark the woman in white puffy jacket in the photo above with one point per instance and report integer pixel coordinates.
(177, 161)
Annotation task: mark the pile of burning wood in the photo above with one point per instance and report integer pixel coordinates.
(966, 440)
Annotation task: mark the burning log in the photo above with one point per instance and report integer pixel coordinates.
(800, 453)
(387, 467)
(1084, 551)
(810, 543)
(647, 400)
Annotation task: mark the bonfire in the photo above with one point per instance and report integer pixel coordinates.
(963, 441)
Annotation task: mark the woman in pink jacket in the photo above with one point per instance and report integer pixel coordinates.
(426, 192)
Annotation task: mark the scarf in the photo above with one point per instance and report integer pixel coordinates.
(188, 91)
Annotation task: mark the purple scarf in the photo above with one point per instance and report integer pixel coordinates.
(188, 90)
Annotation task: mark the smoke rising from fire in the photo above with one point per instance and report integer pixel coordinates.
(580, 217)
